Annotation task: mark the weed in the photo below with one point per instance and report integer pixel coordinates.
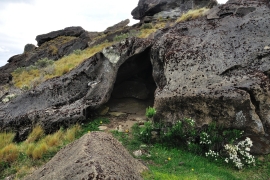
(150, 112)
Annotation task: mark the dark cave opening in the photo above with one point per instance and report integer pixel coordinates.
(134, 87)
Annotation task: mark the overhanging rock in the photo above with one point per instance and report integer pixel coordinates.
(71, 97)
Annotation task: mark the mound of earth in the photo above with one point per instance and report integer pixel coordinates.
(96, 155)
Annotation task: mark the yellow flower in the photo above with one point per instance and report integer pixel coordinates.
(127, 130)
(169, 158)
(100, 122)
(192, 169)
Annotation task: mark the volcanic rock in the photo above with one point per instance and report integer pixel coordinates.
(117, 26)
(72, 97)
(217, 70)
(152, 7)
(69, 31)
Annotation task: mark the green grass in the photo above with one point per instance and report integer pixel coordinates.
(172, 162)
(22, 158)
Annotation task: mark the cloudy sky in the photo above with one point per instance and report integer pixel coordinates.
(22, 20)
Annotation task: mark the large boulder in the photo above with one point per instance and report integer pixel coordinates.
(69, 31)
(216, 69)
(72, 97)
(152, 7)
(96, 155)
(54, 49)
(117, 26)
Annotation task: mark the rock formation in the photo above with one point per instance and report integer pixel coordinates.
(213, 69)
(96, 155)
(216, 69)
(167, 8)
(71, 97)
(53, 45)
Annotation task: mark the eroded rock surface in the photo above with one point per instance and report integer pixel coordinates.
(168, 7)
(96, 155)
(53, 45)
(69, 31)
(71, 97)
(217, 70)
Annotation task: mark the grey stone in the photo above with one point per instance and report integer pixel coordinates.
(96, 155)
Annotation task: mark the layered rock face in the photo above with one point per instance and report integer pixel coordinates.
(53, 45)
(167, 8)
(96, 155)
(216, 69)
(71, 97)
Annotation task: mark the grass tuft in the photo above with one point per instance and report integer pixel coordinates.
(35, 135)
(9, 153)
(192, 14)
(39, 150)
(6, 138)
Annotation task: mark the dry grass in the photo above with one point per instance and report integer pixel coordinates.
(70, 135)
(6, 139)
(55, 139)
(40, 149)
(9, 153)
(192, 14)
(35, 135)
(34, 77)
(144, 33)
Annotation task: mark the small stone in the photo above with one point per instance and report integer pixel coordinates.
(102, 128)
(137, 153)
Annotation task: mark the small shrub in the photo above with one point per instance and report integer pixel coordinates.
(77, 52)
(239, 154)
(35, 135)
(45, 62)
(8, 98)
(121, 37)
(147, 26)
(150, 112)
(19, 70)
(146, 132)
(25, 87)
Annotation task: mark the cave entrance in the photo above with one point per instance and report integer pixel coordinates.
(134, 87)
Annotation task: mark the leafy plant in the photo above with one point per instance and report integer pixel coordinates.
(150, 112)
(121, 37)
(42, 63)
(147, 26)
